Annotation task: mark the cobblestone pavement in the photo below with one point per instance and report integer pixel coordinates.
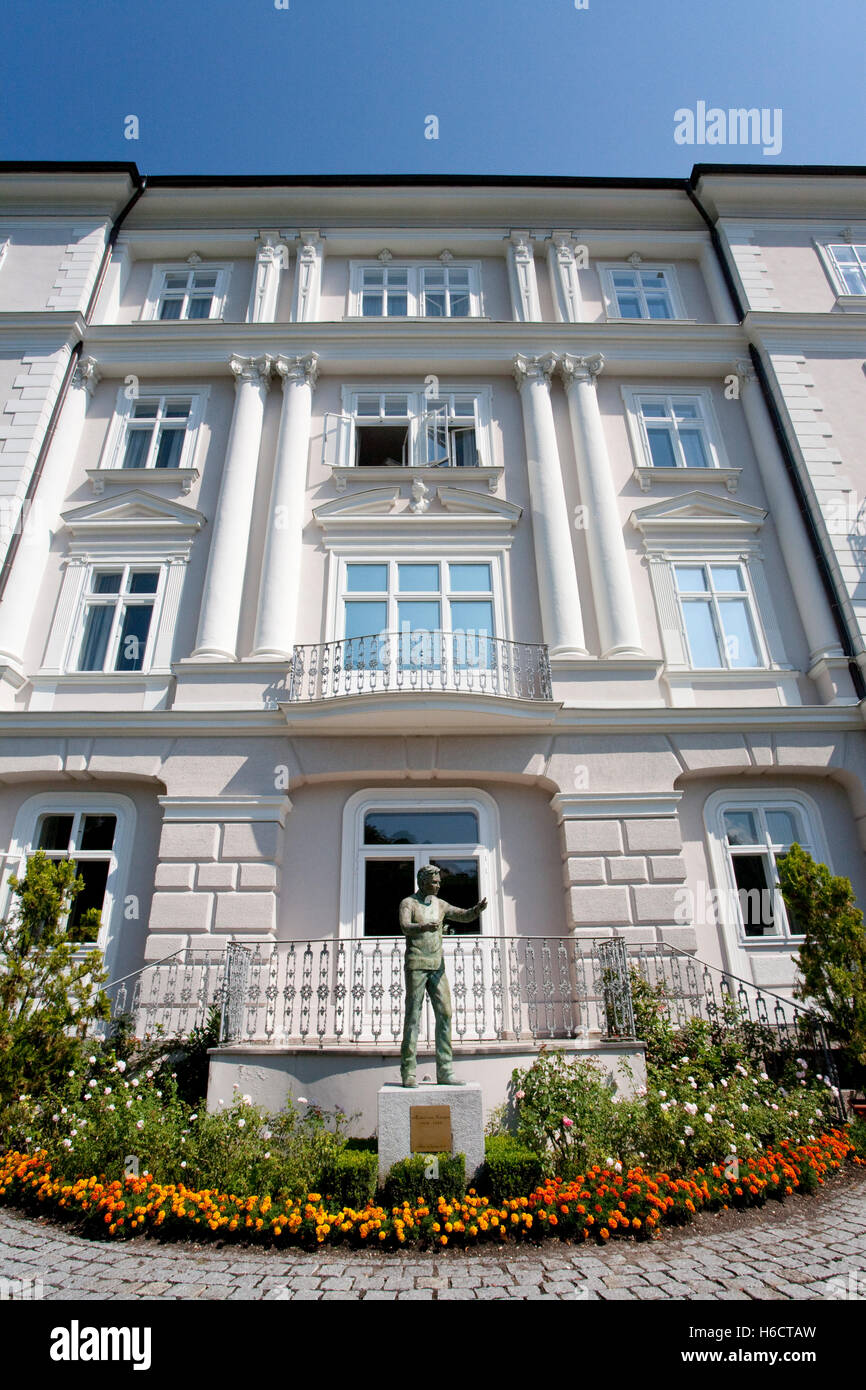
(813, 1248)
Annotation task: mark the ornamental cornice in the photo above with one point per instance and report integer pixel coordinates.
(87, 374)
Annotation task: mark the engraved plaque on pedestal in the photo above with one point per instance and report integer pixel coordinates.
(430, 1129)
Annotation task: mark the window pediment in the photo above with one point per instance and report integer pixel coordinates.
(697, 515)
(133, 512)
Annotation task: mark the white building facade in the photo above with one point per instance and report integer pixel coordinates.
(380, 522)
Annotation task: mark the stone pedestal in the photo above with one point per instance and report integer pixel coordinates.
(467, 1122)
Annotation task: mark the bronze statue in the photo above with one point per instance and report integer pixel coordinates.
(422, 918)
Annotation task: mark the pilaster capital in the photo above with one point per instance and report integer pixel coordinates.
(519, 240)
(86, 374)
(581, 368)
(563, 245)
(309, 245)
(533, 368)
(293, 369)
(256, 370)
(268, 250)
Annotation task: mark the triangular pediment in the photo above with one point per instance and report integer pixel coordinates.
(133, 511)
(699, 512)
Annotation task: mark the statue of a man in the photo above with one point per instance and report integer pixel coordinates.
(422, 919)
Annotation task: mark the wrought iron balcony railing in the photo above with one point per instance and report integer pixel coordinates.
(337, 992)
(454, 662)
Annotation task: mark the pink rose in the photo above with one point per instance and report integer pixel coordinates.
(567, 1122)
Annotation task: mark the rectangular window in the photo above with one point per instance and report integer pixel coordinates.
(156, 432)
(849, 263)
(418, 614)
(117, 618)
(442, 290)
(718, 616)
(675, 432)
(88, 839)
(187, 292)
(754, 837)
(641, 292)
(406, 429)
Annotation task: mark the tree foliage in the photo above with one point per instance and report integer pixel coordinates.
(832, 958)
(50, 993)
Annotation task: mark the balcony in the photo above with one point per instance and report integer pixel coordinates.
(423, 662)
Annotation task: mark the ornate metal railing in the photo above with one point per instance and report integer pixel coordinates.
(333, 992)
(455, 662)
(689, 988)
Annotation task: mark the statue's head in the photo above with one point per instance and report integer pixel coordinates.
(429, 878)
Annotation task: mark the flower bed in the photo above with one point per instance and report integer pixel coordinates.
(599, 1205)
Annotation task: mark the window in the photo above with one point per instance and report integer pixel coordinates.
(96, 830)
(157, 430)
(641, 292)
(748, 833)
(718, 618)
(114, 633)
(156, 433)
(397, 843)
(87, 839)
(441, 290)
(187, 292)
(849, 265)
(674, 431)
(389, 834)
(406, 429)
(440, 612)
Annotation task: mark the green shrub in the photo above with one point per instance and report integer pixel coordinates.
(832, 958)
(510, 1169)
(406, 1182)
(49, 996)
(351, 1177)
(566, 1111)
(857, 1132)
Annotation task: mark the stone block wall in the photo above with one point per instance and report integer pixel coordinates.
(218, 870)
(623, 866)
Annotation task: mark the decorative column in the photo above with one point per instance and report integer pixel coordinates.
(613, 594)
(564, 283)
(281, 565)
(308, 278)
(561, 619)
(40, 521)
(271, 258)
(221, 603)
(522, 279)
(812, 603)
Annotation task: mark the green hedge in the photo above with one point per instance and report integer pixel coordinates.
(406, 1182)
(508, 1167)
(351, 1178)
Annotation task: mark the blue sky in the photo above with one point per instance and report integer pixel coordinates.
(345, 86)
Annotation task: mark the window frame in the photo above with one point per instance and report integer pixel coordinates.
(739, 947)
(156, 290)
(718, 469)
(707, 563)
(87, 600)
(415, 289)
(403, 554)
(355, 853)
(342, 442)
(111, 459)
(27, 821)
(606, 271)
